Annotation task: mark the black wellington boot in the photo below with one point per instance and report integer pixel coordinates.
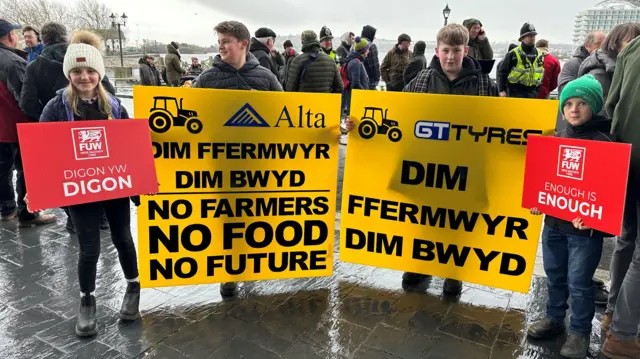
(130, 304)
(86, 325)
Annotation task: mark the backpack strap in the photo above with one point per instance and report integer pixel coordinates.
(306, 64)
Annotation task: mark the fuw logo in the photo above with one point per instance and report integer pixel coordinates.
(90, 143)
(571, 162)
(247, 117)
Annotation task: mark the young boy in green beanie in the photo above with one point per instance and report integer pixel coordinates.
(571, 251)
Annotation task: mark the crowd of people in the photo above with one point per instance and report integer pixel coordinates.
(599, 100)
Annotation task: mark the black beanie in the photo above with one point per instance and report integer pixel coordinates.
(287, 43)
(404, 37)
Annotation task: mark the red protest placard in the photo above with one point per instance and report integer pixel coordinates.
(570, 178)
(67, 163)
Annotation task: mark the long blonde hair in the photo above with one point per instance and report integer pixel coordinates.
(104, 104)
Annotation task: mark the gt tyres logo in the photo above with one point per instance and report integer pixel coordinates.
(431, 130)
(443, 131)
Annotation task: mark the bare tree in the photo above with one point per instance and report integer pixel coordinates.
(35, 12)
(94, 15)
(91, 15)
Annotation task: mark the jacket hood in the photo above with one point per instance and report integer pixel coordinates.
(581, 53)
(632, 46)
(597, 123)
(172, 50)
(257, 46)
(470, 67)
(353, 55)
(346, 38)
(18, 52)
(369, 32)
(143, 61)
(55, 52)
(398, 51)
(252, 63)
(599, 59)
(419, 48)
(311, 47)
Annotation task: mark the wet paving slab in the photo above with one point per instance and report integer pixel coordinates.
(358, 312)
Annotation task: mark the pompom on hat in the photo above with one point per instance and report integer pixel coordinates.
(586, 88)
(361, 44)
(84, 51)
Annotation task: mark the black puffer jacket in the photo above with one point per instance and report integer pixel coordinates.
(251, 76)
(434, 80)
(597, 129)
(44, 77)
(602, 67)
(263, 55)
(321, 74)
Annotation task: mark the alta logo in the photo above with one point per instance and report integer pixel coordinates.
(90, 143)
(571, 162)
(246, 116)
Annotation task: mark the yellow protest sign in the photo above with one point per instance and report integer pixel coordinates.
(433, 185)
(247, 185)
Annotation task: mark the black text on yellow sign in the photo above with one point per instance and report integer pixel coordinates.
(448, 186)
(249, 195)
(242, 247)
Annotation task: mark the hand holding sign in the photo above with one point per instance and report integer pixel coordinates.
(569, 178)
(350, 124)
(579, 224)
(535, 211)
(26, 201)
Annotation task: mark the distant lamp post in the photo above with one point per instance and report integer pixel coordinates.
(122, 22)
(446, 13)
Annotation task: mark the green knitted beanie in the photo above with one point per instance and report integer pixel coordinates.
(586, 88)
(361, 44)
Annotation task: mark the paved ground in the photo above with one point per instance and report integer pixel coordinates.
(359, 312)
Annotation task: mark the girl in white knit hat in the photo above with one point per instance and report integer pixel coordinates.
(86, 99)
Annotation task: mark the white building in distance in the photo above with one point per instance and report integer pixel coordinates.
(604, 17)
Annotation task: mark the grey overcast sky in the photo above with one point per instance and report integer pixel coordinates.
(193, 20)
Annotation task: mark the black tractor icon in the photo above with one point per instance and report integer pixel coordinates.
(166, 112)
(369, 125)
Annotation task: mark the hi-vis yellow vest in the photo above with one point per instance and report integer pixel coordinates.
(526, 73)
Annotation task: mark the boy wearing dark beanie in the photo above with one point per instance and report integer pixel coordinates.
(571, 251)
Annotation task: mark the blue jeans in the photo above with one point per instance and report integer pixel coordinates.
(570, 262)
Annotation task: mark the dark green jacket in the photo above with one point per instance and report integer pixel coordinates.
(173, 64)
(480, 49)
(622, 104)
(321, 74)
